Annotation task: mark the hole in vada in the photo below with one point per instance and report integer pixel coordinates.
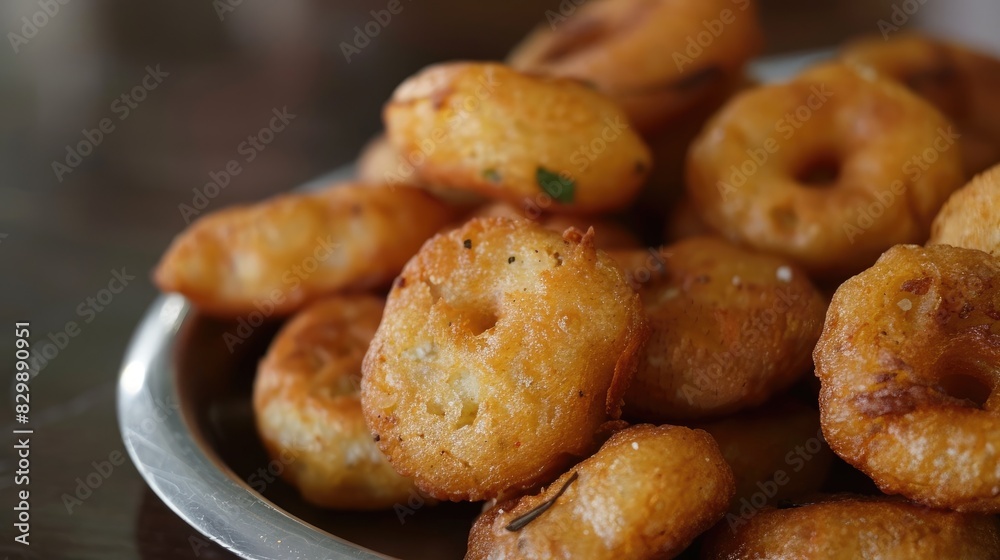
(480, 320)
(470, 410)
(434, 408)
(965, 386)
(822, 170)
(466, 388)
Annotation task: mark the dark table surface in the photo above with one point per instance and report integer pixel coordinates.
(223, 67)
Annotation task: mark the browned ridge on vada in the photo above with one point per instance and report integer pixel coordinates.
(503, 349)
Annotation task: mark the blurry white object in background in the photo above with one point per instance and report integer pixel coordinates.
(971, 22)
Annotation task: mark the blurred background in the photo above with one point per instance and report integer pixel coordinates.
(114, 111)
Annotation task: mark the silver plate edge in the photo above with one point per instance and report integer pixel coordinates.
(185, 475)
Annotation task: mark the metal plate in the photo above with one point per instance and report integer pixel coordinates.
(185, 416)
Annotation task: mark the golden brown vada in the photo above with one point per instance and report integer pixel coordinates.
(486, 128)
(307, 405)
(960, 82)
(655, 58)
(776, 452)
(275, 256)
(729, 328)
(971, 217)
(847, 527)
(829, 169)
(646, 494)
(908, 367)
(503, 349)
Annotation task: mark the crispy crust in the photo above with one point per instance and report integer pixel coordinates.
(971, 217)
(960, 82)
(647, 493)
(485, 128)
(746, 172)
(640, 53)
(308, 409)
(285, 252)
(850, 527)
(609, 235)
(503, 349)
(908, 366)
(729, 328)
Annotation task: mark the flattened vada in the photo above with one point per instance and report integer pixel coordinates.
(851, 527)
(296, 248)
(729, 328)
(486, 128)
(646, 494)
(307, 404)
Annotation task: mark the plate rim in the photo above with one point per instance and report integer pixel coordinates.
(186, 474)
